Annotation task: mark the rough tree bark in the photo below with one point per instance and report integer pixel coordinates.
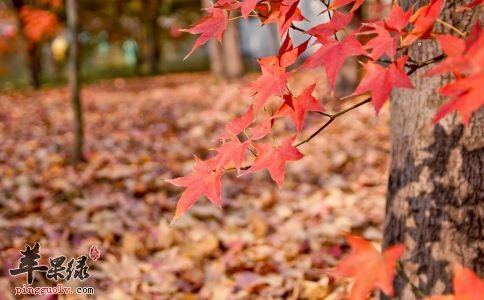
(435, 199)
(74, 81)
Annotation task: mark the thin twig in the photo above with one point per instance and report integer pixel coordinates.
(331, 117)
(334, 116)
(463, 34)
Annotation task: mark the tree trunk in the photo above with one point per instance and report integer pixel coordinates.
(34, 55)
(33, 49)
(232, 55)
(436, 186)
(154, 53)
(74, 82)
(226, 59)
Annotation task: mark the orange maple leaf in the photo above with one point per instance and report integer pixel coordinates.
(467, 286)
(369, 268)
(203, 181)
(423, 21)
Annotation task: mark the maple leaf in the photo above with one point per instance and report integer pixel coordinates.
(466, 96)
(467, 286)
(381, 80)
(369, 268)
(453, 47)
(463, 57)
(339, 3)
(332, 55)
(383, 42)
(272, 81)
(274, 76)
(469, 6)
(398, 19)
(203, 181)
(274, 158)
(289, 13)
(423, 20)
(338, 21)
(261, 130)
(288, 54)
(209, 26)
(284, 12)
(247, 7)
(231, 151)
(237, 125)
(224, 4)
(296, 107)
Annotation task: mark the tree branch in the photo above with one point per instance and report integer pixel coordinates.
(332, 117)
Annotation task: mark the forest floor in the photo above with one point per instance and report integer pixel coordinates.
(266, 243)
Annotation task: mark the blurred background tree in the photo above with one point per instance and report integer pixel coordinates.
(116, 38)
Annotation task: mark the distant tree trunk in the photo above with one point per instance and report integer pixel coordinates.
(34, 53)
(232, 54)
(226, 59)
(154, 52)
(74, 82)
(435, 199)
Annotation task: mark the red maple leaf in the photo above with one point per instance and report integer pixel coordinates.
(231, 151)
(247, 7)
(284, 12)
(289, 13)
(288, 54)
(272, 81)
(209, 26)
(274, 158)
(471, 5)
(423, 21)
(332, 55)
(463, 57)
(274, 76)
(338, 21)
(224, 4)
(380, 81)
(237, 125)
(383, 42)
(466, 96)
(262, 129)
(369, 268)
(339, 3)
(467, 286)
(296, 107)
(398, 19)
(203, 181)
